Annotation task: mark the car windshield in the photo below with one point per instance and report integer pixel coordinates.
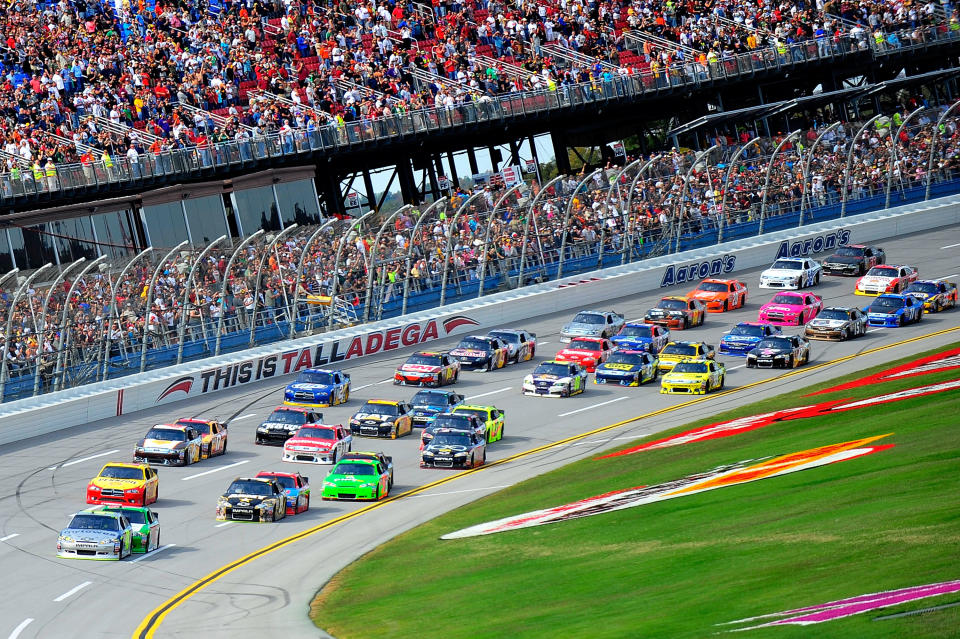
(94, 522)
(317, 433)
(788, 265)
(202, 427)
(351, 468)
(886, 303)
(451, 421)
(784, 298)
(833, 314)
(690, 367)
(878, 271)
(775, 343)
(850, 251)
(546, 368)
(281, 416)
(752, 331)
(379, 408)
(625, 358)
(927, 288)
(680, 349)
(133, 515)
(425, 360)
(474, 344)
(712, 287)
(430, 398)
(584, 345)
(315, 377)
(588, 318)
(672, 305)
(122, 472)
(642, 330)
(451, 439)
(250, 487)
(283, 480)
(510, 338)
(479, 412)
(167, 434)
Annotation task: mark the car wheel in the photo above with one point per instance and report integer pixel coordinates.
(816, 279)
(638, 378)
(346, 396)
(376, 495)
(334, 458)
(268, 517)
(157, 544)
(306, 505)
(533, 352)
(223, 451)
(683, 323)
(726, 307)
(723, 378)
(791, 363)
(900, 321)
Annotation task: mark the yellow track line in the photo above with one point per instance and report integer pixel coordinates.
(149, 625)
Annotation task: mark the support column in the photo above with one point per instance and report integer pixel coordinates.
(560, 151)
(434, 187)
(408, 184)
(454, 178)
(368, 187)
(329, 191)
(472, 159)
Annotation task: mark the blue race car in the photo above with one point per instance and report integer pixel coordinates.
(744, 337)
(894, 310)
(318, 387)
(427, 404)
(628, 368)
(636, 336)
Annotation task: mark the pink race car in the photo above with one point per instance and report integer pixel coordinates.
(793, 308)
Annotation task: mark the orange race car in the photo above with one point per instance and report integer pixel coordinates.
(720, 295)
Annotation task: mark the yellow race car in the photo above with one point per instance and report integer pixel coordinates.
(676, 352)
(694, 377)
(124, 484)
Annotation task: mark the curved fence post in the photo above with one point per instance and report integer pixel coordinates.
(846, 174)
(726, 185)
(685, 189)
(413, 237)
(114, 314)
(628, 210)
(296, 293)
(259, 276)
(447, 258)
(566, 220)
(223, 289)
(358, 225)
(372, 263)
(150, 290)
(6, 334)
(484, 265)
(933, 146)
(184, 314)
(623, 215)
(893, 153)
(60, 372)
(804, 197)
(526, 225)
(766, 177)
(40, 332)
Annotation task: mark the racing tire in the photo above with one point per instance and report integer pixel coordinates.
(726, 306)
(306, 506)
(845, 335)
(861, 270)
(920, 316)
(800, 319)
(334, 458)
(456, 377)
(489, 364)
(723, 378)
(791, 363)
(143, 502)
(683, 324)
(158, 541)
(268, 518)
(346, 396)
(900, 321)
(223, 451)
(638, 378)
(816, 279)
(376, 495)
(396, 432)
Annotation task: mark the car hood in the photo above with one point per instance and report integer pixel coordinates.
(86, 534)
(112, 482)
(350, 479)
(876, 279)
(580, 326)
(684, 378)
(469, 352)
(829, 323)
(617, 367)
(741, 339)
(236, 499)
(419, 368)
(657, 311)
(280, 425)
(322, 388)
(576, 352)
(376, 416)
(444, 449)
(782, 307)
(767, 352)
(843, 259)
(546, 377)
(162, 443)
(884, 311)
(781, 272)
(309, 441)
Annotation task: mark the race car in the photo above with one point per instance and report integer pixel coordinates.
(318, 444)
(696, 377)
(635, 336)
(144, 523)
(677, 352)
(592, 324)
(256, 499)
(385, 460)
(382, 418)
(481, 353)
(213, 434)
(853, 259)
(720, 295)
(789, 308)
(886, 278)
(837, 323)
(586, 351)
(283, 422)
(169, 444)
(521, 344)
(936, 295)
(491, 416)
(677, 312)
(124, 484)
(782, 351)
(791, 274)
(296, 489)
(741, 339)
(358, 479)
(628, 368)
(456, 421)
(318, 387)
(452, 448)
(107, 536)
(894, 310)
(555, 379)
(428, 369)
(428, 403)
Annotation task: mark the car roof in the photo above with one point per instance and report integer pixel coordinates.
(839, 308)
(179, 427)
(319, 425)
(295, 409)
(752, 324)
(320, 370)
(682, 298)
(553, 361)
(125, 465)
(366, 453)
(438, 391)
(889, 265)
(628, 351)
(428, 353)
(638, 324)
(699, 360)
(101, 512)
(117, 507)
(717, 280)
(474, 407)
(484, 337)
(894, 295)
(191, 420)
(941, 280)
(389, 402)
(266, 474)
(447, 429)
(360, 460)
(265, 480)
(685, 343)
(587, 338)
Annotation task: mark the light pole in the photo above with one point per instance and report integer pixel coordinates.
(182, 329)
(766, 177)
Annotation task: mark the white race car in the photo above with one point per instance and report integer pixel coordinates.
(792, 273)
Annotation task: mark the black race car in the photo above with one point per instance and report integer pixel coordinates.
(484, 353)
(252, 499)
(458, 421)
(853, 259)
(451, 448)
(781, 351)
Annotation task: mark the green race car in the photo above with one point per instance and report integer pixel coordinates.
(489, 415)
(357, 479)
(145, 524)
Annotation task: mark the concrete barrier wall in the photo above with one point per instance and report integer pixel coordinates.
(35, 416)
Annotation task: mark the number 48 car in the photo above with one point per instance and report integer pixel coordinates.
(628, 368)
(936, 295)
(252, 499)
(555, 379)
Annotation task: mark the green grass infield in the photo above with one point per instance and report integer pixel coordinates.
(688, 566)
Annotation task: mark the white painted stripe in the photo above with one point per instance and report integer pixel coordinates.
(151, 554)
(457, 492)
(10, 536)
(948, 246)
(499, 390)
(386, 381)
(733, 368)
(73, 591)
(83, 459)
(947, 277)
(542, 343)
(226, 523)
(237, 419)
(604, 441)
(580, 410)
(16, 631)
(214, 470)
(361, 387)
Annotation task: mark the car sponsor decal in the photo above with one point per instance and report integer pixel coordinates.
(720, 477)
(183, 384)
(811, 245)
(938, 362)
(851, 606)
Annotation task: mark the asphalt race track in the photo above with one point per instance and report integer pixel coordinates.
(44, 479)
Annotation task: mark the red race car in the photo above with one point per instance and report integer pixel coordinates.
(295, 486)
(587, 351)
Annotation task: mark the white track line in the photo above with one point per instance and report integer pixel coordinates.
(385, 381)
(10, 536)
(733, 368)
(214, 470)
(237, 419)
(362, 387)
(604, 441)
(226, 523)
(542, 343)
(83, 459)
(73, 591)
(457, 492)
(151, 554)
(580, 410)
(16, 631)
(948, 246)
(947, 277)
(499, 390)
